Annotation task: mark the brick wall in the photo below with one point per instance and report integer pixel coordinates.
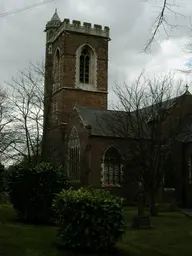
(66, 95)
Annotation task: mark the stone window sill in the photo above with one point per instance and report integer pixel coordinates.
(83, 86)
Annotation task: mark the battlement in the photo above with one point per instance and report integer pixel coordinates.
(55, 28)
(85, 27)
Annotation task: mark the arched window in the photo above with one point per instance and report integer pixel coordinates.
(56, 70)
(74, 155)
(86, 68)
(50, 34)
(112, 168)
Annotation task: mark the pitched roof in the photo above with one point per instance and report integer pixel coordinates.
(101, 121)
(111, 123)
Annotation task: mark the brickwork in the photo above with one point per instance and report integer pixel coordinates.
(68, 45)
(94, 147)
(92, 152)
(60, 118)
(67, 38)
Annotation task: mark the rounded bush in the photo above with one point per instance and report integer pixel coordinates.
(32, 189)
(88, 220)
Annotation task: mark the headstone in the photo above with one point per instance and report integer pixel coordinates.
(141, 205)
(141, 220)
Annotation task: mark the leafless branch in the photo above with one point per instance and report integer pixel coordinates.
(162, 21)
(147, 120)
(25, 97)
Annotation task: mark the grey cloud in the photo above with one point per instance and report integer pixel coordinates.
(22, 38)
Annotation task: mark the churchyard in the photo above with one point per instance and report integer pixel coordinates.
(170, 235)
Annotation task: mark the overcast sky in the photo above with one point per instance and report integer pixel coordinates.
(22, 38)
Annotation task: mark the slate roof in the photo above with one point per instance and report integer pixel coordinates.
(101, 121)
(111, 123)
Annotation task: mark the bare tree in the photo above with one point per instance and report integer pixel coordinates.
(32, 111)
(148, 118)
(6, 135)
(167, 8)
(25, 97)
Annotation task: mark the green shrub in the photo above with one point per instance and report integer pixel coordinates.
(32, 189)
(88, 220)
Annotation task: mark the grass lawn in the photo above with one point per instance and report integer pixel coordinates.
(171, 234)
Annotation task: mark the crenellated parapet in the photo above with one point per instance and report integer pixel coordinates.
(86, 28)
(55, 27)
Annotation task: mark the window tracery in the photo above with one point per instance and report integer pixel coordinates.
(86, 68)
(112, 168)
(74, 155)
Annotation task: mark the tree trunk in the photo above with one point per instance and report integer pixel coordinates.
(153, 208)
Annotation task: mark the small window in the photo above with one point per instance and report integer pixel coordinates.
(84, 74)
(50, 49)
(50, 34)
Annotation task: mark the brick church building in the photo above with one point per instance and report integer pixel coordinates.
(76, 92)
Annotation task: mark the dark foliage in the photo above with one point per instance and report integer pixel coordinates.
(89, 220)
(32, 189)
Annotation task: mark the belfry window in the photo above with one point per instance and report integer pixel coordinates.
(112, 168)
(74, 155)
(84, 69)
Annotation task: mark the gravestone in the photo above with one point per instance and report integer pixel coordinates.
(141, 220)
(141, 205)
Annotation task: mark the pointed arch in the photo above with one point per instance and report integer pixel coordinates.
(50, 34)
(74, 155)
(56, 69)
(112, 174)
(86, 67)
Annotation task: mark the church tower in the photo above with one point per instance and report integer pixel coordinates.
(76, 73)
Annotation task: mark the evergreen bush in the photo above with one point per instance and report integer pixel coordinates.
(88, 220)
(32, 189)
